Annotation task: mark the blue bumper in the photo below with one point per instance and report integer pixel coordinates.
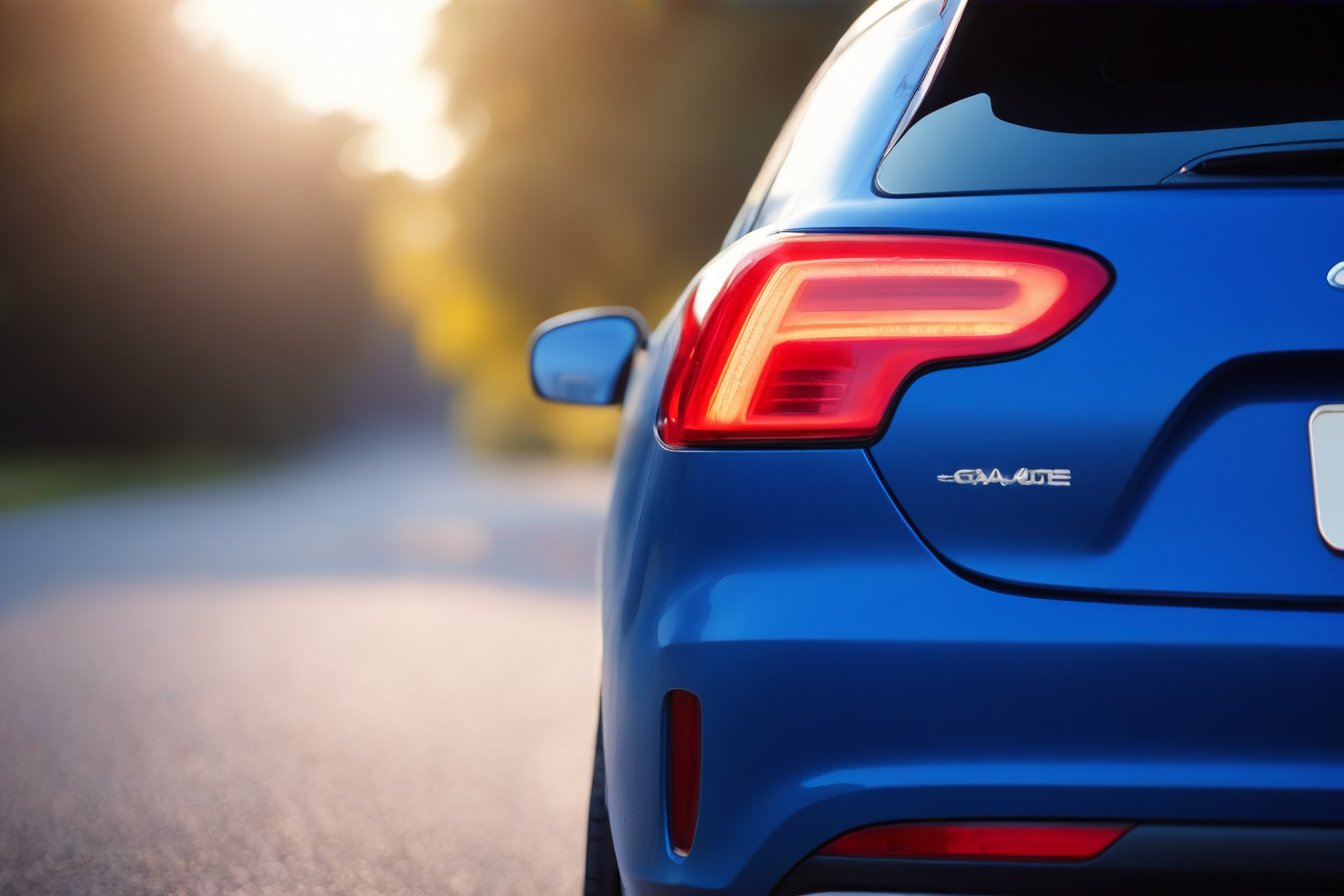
(847, 678)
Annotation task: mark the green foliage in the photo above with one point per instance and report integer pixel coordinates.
(29, 481)
(614, 142)
(182, 262)
(178, 260)
(610, 146)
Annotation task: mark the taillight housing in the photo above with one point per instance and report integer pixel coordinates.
(811, 336)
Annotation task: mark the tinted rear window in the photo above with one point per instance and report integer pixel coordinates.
(1059, 95)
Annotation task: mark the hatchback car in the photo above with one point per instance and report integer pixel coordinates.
(978, 523)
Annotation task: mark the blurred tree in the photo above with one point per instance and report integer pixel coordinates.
(180, 260)
(610, 144)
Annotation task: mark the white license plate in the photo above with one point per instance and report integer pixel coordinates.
(1327, 471)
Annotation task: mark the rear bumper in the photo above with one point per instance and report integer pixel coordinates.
(847, 678)
(1151, 859)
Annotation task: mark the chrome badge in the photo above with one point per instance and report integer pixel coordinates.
(1022, 477)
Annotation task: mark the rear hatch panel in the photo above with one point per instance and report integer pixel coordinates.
(1179, 406)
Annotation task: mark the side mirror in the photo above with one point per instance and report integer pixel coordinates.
(584, 357)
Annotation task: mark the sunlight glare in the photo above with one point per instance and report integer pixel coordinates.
(361, 57)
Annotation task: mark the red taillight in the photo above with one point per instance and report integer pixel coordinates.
(989, 842)
(683, 769)
(811, 336)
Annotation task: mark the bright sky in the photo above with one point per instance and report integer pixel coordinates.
(362, 57)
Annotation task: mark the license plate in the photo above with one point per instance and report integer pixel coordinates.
(1327, 471)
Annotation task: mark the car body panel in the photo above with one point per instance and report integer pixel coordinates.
(1180, 403)
(839, 691)
(1160, 642)
(832, 143)
(847, 676)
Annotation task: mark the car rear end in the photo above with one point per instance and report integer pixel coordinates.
(977, 526)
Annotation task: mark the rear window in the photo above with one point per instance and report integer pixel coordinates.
(1039, 95)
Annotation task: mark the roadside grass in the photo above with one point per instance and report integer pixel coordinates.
(33, 480)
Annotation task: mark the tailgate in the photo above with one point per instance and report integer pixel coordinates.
(1179, 407)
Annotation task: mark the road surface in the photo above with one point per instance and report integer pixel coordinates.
(370, 670)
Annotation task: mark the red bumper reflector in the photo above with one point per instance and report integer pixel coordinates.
(683, 769)
(987, 842)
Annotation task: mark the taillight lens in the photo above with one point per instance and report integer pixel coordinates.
(811, 336)
(683, 769)
(979, 842)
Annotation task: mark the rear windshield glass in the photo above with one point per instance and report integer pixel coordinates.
(1059, 95)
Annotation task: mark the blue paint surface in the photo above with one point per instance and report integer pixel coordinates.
(1160, 641)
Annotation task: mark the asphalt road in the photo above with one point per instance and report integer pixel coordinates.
(371, 670)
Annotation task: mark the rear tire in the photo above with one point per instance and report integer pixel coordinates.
(601, 876)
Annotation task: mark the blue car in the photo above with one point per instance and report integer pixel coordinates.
(978, 523)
